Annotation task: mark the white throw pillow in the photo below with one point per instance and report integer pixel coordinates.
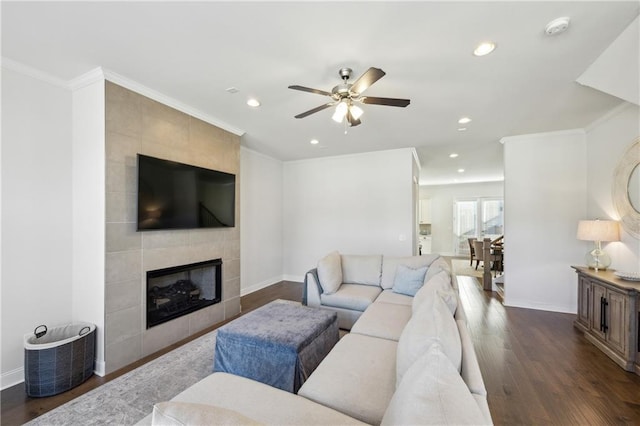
(330, 272)
(433, 393)
(186, 413)
(438, 286)
(408, 280)
(427, 326)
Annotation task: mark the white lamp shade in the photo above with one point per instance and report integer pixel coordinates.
(356, 111)
(598, 230)
(341, 111)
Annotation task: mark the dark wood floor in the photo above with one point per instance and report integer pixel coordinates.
(17, 408)
(537, 368)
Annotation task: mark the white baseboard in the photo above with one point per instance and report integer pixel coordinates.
(11, 378)
(100, 368)
(14, 377)
(293, 278)
(260, 285)
(270, 281)
(537, 306)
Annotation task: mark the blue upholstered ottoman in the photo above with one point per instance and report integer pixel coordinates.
(279, 344)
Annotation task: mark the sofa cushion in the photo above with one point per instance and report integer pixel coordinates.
(357, 378)
(259, 401)
(433, 393)
(186, 413)
(330, 272)
(430, 324)
(438, 286)
(390, 263)
(470, 370)
(361, 269)
(388, 296)
(351, 296)
(438, 265)
(383, 320)
(408, 280)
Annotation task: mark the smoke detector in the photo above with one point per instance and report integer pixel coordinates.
(557, 26)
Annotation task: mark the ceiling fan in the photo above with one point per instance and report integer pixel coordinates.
(346, 96)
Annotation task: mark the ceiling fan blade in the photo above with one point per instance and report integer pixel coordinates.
(353, 122)
(310, 90)
(367, 79)
(316, 109)
(385, 101)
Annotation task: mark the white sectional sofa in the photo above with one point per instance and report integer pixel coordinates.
(407, 359)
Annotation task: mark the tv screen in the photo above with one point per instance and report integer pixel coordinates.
(179, 196)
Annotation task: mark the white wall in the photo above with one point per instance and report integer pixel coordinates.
(358, 204)
(36, 217)
(442, 199)
(545, 197)
(261, 220)
(88, 266)
(607, 140)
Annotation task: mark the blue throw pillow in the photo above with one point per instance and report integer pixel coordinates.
(408, 281)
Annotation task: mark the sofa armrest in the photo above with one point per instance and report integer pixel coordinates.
(312, 288)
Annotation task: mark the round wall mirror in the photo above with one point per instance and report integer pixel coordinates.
(626, 189)
(633, 188)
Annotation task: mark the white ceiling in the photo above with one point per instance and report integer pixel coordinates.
(192, 52)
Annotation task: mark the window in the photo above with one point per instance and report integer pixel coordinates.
(476, 217)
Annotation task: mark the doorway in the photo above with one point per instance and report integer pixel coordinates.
(481, 217)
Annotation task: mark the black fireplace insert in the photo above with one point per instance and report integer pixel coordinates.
(179, 290)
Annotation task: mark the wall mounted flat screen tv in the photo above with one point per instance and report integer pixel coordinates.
(179, 196)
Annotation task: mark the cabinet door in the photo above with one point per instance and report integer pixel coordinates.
(617, 320)
(598, 293)
(425, 211)
(584, 301)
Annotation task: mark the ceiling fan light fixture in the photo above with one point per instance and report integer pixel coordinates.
(356, 111)
(341, 112)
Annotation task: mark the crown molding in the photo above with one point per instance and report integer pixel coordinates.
(608, 116)
(169, 101)
(98, 74)
(571, 132)
(260, 154)
(84, 80)
(29, 71)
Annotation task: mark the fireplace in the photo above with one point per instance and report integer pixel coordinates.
(179, 290)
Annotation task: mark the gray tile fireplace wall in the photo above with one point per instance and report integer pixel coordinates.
(136, 124)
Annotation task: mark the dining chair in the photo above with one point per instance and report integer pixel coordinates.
(471, 250)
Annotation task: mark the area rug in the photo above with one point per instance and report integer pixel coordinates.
(129, 398)
(461, 267)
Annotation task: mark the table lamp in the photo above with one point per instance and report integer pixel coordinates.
(598, 231)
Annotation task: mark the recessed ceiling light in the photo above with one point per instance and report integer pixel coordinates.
(462, 129)
(464, 120)
(314, 142)
(232, 90)
(484, 48)
(557, 26)
(460, 170)
(253, 102)
(453, 155)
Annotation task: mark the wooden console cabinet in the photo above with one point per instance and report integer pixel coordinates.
(608, 314)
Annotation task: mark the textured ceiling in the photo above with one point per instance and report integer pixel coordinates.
(192, 52)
